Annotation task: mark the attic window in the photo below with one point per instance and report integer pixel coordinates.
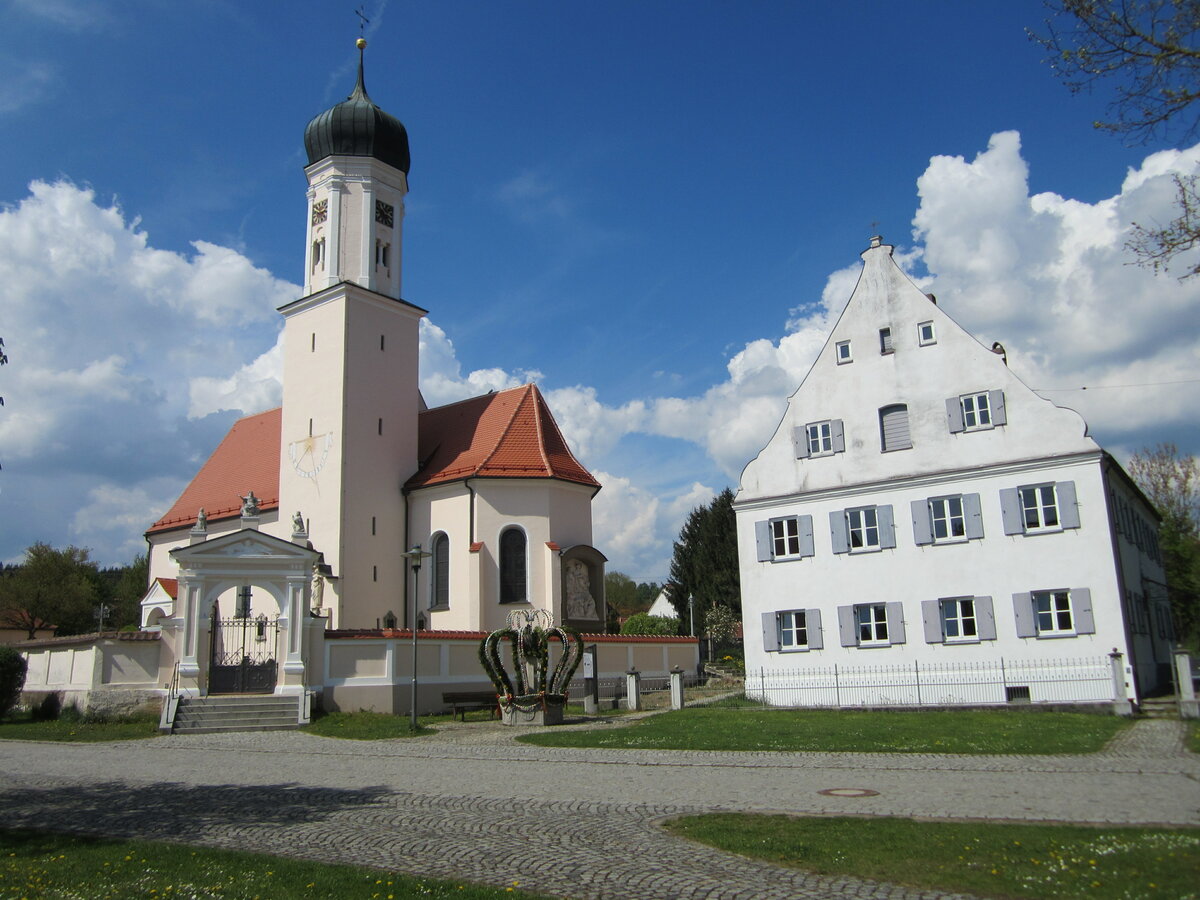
(926, 334)
(885, 340)
(842, 351)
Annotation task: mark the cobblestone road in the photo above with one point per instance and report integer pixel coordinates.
(473, 804)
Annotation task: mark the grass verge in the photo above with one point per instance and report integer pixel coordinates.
(369, 726)
(852, 731)
(36, 864)
(1009, 860)
(68, 727)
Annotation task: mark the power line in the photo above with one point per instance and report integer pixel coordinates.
(1109, 387)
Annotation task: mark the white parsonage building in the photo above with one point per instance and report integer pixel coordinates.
(924, 528)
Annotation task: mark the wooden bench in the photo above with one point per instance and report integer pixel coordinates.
(465, 700)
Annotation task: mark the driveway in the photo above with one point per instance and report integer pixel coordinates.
(471, 803)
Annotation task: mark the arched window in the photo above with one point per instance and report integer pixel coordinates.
(512, 566)
(439, 590)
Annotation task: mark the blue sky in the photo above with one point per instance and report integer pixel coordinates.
(651, 208)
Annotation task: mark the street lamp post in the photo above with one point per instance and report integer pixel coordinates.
(415, 555)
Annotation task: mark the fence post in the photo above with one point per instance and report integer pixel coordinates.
(633, 689)
(917, 675)
(591, 682)
(837, 688)
(1189, 707)
(1121, 706)
(677, 688)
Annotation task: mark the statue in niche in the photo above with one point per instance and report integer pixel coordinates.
(580, 602)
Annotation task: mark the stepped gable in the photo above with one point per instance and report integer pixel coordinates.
(509, 434)
(246, 460)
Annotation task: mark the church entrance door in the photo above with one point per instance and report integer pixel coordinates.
(245, 652)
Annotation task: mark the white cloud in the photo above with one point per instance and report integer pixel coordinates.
(24, 83)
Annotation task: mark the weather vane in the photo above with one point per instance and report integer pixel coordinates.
(363, 21)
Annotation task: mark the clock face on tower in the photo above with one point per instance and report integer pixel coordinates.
(308, 455)
(384, 213)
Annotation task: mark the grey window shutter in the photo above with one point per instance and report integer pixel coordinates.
(1068, 506)
(838, 435)
(1010, 511)
(887, 527)
(973, 512)
(985, 619)
(762, 538)
(996, 404)
(800, 439)
(895, 622)
(1081, 609)
(893, 428)
(846, 628)
(806, 536)
(838, 532)
(931, 617)
(770, 627)
(1023, 612)
(954, 415)
(812, 621)
(922, 528)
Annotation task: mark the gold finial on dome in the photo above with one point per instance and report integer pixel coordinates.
(361, 43)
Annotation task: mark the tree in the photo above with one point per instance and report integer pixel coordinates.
(12, 678)
(705, 561)
(644, 623)
(1172, 483)
(1149, 50)
(51, 588)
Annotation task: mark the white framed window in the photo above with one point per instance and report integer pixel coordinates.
(871, 619)
(925, 334)
(885, 340)
(862, 529)
(1039, 508)
(947, 519)
(792, 630)
(1054, 613)
(820, 438)
(785, 538)
(977, 411)
(439, 572)
(958, 620)
(871, 624)
(843, 353)
(513, 584)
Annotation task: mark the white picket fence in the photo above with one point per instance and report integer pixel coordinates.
(1086, 680)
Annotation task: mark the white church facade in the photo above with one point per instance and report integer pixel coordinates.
(924, 528)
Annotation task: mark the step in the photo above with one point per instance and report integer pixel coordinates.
(250, 712)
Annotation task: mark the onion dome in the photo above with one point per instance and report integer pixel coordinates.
(357, 127)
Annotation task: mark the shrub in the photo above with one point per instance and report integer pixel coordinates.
(12, 678)
(646, 624)
(49, 709)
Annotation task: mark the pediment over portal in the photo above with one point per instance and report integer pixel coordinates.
(246, 545)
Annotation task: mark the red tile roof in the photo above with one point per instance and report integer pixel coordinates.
(246, 460)
(171, 586)
(509, 434)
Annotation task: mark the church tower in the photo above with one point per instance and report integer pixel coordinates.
(350, 391)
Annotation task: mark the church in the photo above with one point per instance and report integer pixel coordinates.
(354, 506)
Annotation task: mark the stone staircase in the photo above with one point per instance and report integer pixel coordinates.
(236, 712)
(1159, 708)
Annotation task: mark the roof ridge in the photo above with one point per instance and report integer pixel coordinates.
(539, 403)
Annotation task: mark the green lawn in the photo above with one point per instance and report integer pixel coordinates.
(22, 727)
(852, 731)
(34, 864)
(1036, 861)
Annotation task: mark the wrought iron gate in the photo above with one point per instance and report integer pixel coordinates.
(244, 652)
